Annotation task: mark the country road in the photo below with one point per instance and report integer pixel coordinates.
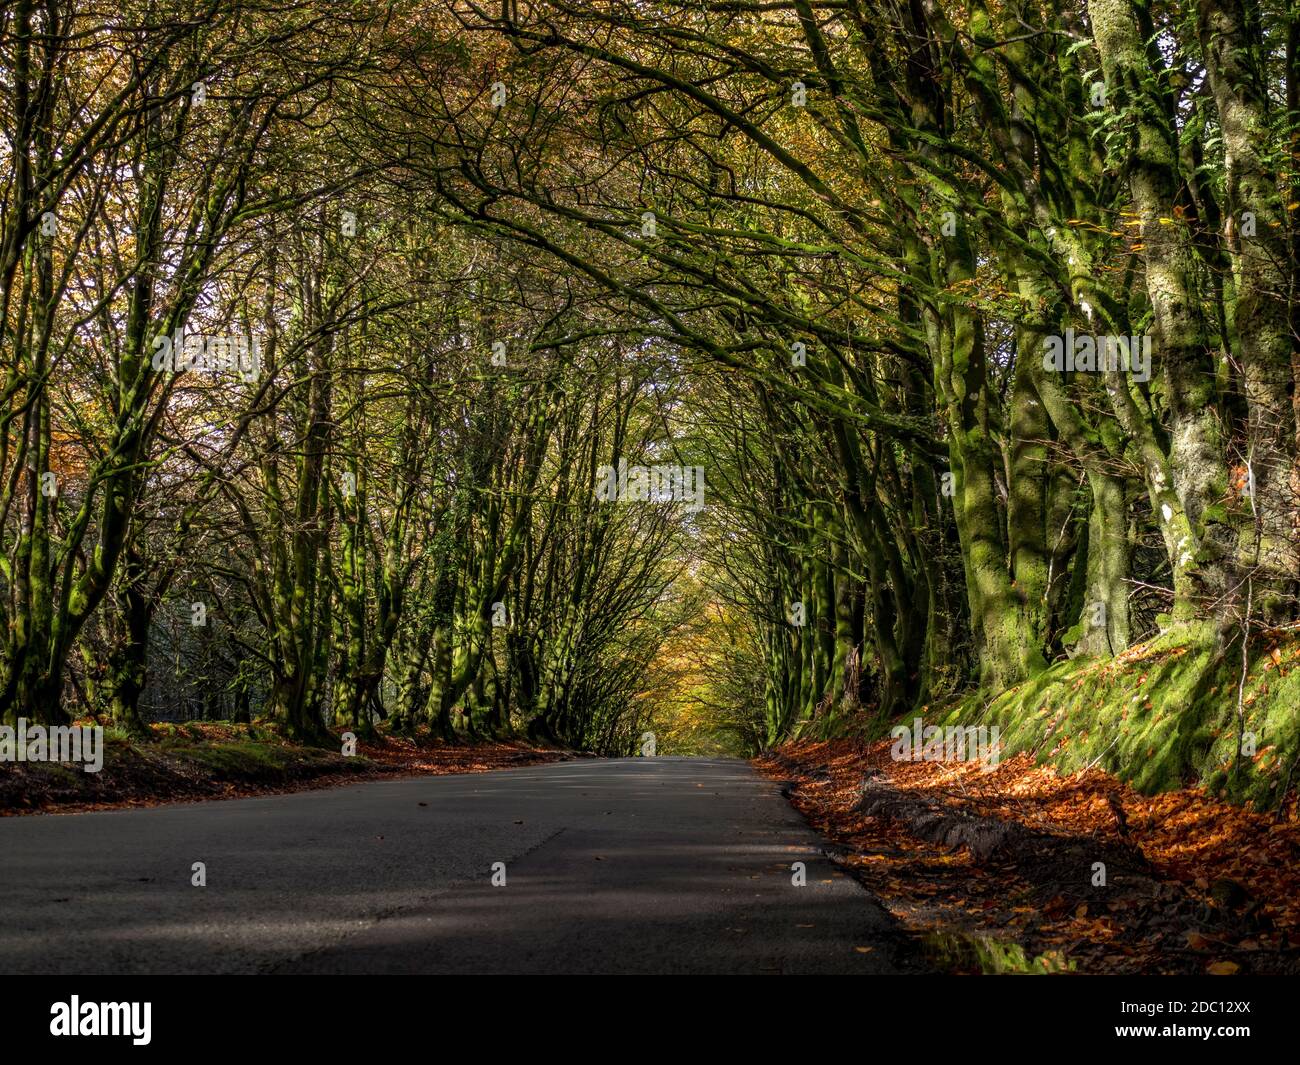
(630, 866)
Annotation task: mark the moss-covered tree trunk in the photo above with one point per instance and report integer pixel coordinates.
(1266, 273)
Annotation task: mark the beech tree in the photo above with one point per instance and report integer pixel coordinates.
(977, 317)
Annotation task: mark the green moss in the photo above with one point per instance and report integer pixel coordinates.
(1162, 716)
(1215, 513)
(960, 950)
(174, 766)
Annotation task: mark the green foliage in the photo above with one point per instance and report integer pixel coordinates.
(840, 314)
(1163, 715)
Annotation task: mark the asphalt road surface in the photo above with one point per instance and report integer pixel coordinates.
(658, 865)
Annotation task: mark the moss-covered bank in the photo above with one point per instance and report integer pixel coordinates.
(1176, 710)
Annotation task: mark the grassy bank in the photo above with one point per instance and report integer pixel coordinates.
(216, 760)
(1168, 713)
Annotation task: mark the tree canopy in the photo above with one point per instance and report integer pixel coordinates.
(928, 343)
